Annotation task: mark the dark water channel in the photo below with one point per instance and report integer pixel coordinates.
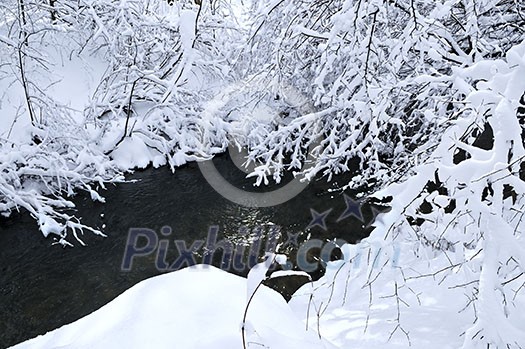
(43, 287)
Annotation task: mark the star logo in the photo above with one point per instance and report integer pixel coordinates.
(292, 240)
(319, 219)
(375, 212)
(353, 208)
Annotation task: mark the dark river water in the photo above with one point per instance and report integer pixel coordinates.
(44, 286)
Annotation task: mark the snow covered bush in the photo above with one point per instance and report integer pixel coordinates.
(45, 153)
(94, 87)
(163, 62)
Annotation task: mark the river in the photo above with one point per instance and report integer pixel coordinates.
(44, 286)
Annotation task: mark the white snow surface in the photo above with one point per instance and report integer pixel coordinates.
(197, 307)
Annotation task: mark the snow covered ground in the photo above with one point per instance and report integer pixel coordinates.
(202, 307)
(198, 307)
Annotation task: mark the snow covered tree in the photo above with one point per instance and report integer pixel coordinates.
(361, 63)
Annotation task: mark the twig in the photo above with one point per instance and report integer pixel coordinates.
(246, 314)
(128, 114)
(369, 48)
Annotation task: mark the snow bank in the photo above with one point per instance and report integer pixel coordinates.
(358, 306)
(198, 307)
